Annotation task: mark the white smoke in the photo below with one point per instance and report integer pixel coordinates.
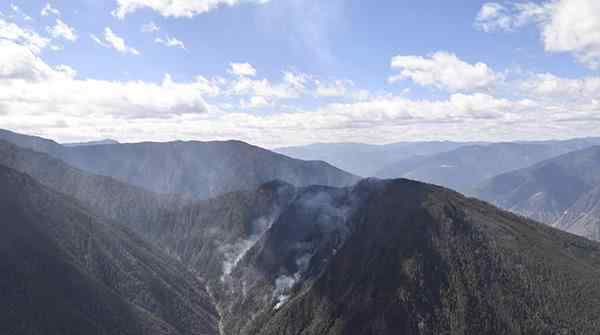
(284, 284)
(234, 253)
(281, 300)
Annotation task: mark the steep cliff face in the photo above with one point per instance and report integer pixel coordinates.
(67, 271)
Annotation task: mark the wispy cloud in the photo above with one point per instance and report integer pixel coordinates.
(150, 27)
(62, 30)
(170, 42)
(48, 9)
(171, 8)
(111, 40)
(309, 25)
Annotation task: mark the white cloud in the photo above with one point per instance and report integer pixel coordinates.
(48, 9)
(169, 8)
(21, 63)
(66, 71)
(54, 101)
(242, 69)
(170, 42)
(443, 70)
(497, 17)
(29, 38)
(493, 16)
(565, 25)
(574, 27)
(18, 12)
(337, 88)
(290, 87)
(150, 27)
(51, 101)
(296, 80)
(255, 102)
(62, 30)
(111, 40)
(31, 87)
(565, 89)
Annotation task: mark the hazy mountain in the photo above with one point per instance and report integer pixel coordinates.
(200, 169)
(366, 159)
(396, 159)
(67, 271)
(467, 167)
(106, 196)
(562, 191)
(31, 142)
(101, 142)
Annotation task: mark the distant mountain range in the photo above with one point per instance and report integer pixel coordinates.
(199, 169)
(457, 165)
(563, 191)
(366, 159)
(100, 142)
(467, 167)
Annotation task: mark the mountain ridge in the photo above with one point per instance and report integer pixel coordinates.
(198, 169)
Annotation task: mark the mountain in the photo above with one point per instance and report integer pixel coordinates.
(563, 191)
(366, 159)
(397, 159)
(420, 259)
(379, 257)
(382, 257)
(199, 169)
(106, 196)
(467, 167)
(31, 142)
(68, 271)
(101, 142)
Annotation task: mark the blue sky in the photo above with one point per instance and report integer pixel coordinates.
(284, 72)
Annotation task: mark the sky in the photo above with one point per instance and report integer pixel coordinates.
(291, 72)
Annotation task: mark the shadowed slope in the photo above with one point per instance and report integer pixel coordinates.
(66, 271)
